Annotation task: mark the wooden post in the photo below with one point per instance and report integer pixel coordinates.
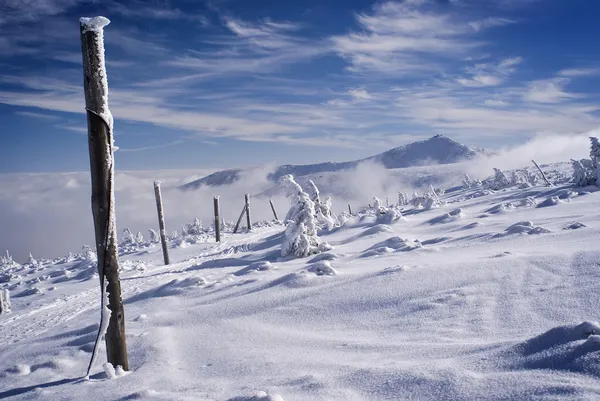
(1, 303)
(239, 220)
(100, 140)
(349, 209)
(248, 221)
(217, 220)
(387, 201)
(273, 209)
(161, 222)
(543, 175)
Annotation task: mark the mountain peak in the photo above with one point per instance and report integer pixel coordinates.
(438, 149)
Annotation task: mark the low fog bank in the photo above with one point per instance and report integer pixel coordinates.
(49, 215)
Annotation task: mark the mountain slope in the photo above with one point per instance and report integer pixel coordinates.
(436, 150)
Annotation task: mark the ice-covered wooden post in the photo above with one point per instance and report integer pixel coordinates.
(217, 220)
(161, 221)
(101, 147)
(543, 175)
(239, 220)
(247, 202)
(273, 209)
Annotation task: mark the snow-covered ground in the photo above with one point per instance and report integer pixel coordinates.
(480, 299)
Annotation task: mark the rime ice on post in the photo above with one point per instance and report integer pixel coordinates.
(101, 147)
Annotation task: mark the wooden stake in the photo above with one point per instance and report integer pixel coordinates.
(239, 220)
(273, 209)
(217, 220)
(161, 222)
(349, 209)
(543, 175)
(248, 221)
(100, 140)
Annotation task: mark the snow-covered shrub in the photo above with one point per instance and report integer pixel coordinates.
(427, 201)
(300, 237)
(7, 261)
(519, 180)
(500, 181)
(468, 182)
(582, 175)
(377, 206)
(194, 228)
(402, 199)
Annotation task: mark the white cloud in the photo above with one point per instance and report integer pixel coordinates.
(489, 74)
(548, 91)
(360, 94)
(402, 37)
(579, 72)
(490, 22)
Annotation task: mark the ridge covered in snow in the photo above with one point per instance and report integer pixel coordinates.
(433, 151)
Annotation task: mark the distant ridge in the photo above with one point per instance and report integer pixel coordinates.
(438, 149)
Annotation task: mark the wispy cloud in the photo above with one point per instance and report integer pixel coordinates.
(489, 22)
(403, 37)
(251, 48)
(579, 72)
(548, 91)
(490, 74)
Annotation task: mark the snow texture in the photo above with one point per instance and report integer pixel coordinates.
(492, 308)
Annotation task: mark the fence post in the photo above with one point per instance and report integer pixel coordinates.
(217, 220)
(100, 141)
(248, 221)
(273, 209)
(349, 209)
(161, 222)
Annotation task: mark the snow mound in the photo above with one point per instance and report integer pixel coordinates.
(389, 217)
(470, 226)
(262, 265)
(322, 268)
(20, 370)
(574, 226)
(480, 193)
(323, 256)
(449, 217)
(573, 348)
(259, 396)
(393, 244)
(552, 201)
(379, 228)
(527, 202)
(500, 208)
(525, 227)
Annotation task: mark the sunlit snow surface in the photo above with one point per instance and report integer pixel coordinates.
(483, 298)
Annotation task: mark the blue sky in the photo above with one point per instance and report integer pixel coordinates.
(228, 83)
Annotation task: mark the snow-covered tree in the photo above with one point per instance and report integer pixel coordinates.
(154, 238)
(582, 175)
(301, 237)
(518, 179)
(127, 237)
(595, 152)
(501, 181)
(377, 206)
(468, 182)
(402, 199)
(323, 214)
(139, 238)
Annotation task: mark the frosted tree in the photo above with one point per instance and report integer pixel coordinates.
(154, 238)
(139, 238)
(402, 199)
(300, 237)
(582, 175)
(379, 209)
(429, 201)
(322, 209)
(128, 237)
(501, 181)
(518, 179)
